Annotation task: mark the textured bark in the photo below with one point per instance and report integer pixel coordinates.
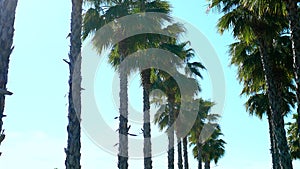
(199, 149)
(147, 125)
(179, 149)
(274, 149)
(274, 89)
(294, 21)
(7, 19)
(171, 101)
(123, 120)
(207, 165)
(185, 153)
(74, 111)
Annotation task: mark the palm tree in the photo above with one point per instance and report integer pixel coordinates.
(155, 40)
(249, 27)
(145, 76)
(250, 74)
(290, 8)
(7, 19)
(123, 118)
(197, 130)
(73, 148)
(94, 19)
(212, 149)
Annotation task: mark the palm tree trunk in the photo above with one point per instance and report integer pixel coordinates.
(7, 19)
(294, 21)
(207, 164)
(73, 148)
(179, 149)
(171, 101)
(281, 142)
(147, 125)
(274, 149)
(275, 99)
(199, 149)
(185, 153)
(123, 120)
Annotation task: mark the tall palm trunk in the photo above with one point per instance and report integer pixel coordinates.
(274, 149)
(147, 125)
(199, 149)
(146, 110)
(7, 19)
(294, 21)
(207, 164)
(185, 153)
(171, 101)
(274, 89)
(123, 120)
(73, 149)
(179, 150)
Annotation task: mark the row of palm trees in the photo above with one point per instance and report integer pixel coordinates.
(267, 56)
(94, 19)
(266, 52)
(266, 69)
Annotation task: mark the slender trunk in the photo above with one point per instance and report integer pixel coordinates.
(171, 101)
(179, 149)
(274, 149)
(147, 125)
(294, 21)
(199, 149)
(281, 142)
(7, 19)
(73, 148)
(274, 89)
(207, 164)
(185, 153)
(123, 120)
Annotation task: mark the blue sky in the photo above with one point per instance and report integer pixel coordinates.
(37, 112)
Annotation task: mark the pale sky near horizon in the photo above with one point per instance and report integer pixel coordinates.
(37, 112)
